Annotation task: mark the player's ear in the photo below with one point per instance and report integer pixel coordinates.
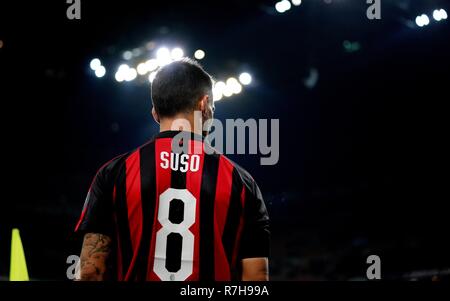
(155, 115)
(204, 103)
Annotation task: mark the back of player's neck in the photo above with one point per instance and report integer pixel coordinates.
(180, 122)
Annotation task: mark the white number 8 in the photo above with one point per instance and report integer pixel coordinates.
(187, 250)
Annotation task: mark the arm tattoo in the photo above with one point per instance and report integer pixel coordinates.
(95, 257)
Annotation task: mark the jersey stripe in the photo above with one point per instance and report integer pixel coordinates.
(134, 206)
(122, 221)
(239, 230)
(193, 184)
(233, 218)
(221, 206)
(163, 179)
(119, 262)
(148, 196)
(174, 243)
(85, 206)
(209, 182)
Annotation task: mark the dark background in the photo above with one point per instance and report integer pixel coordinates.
(363, 155)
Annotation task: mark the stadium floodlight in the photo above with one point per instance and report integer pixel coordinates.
(283, 6)
(120, 77)
(279, 7)
(136, 52)
(439, 14)
(127, 55)
(123, 67)
(218, 89)
(425, 19)
(287, 5)
(142, 68)
(220, 86)
(199, 54)
(233, 85)
(245, 78)
(422, 20)
(131, 74)
(163, 56)
(296, 2)
(122, 72)
(100, 71)
(419, 21)
(127, 71)
(237, 88)
(95, 63)
(227, 92)
(152, 65)
(177, 54)
(230, 87)
(217, 94)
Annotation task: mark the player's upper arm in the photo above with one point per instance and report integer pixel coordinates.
(97, 214)
(255, 241)
(96, 224)
(95, 258)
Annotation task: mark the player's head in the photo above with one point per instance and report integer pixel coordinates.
(180, 88)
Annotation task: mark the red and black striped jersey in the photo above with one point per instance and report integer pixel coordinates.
(177, 215)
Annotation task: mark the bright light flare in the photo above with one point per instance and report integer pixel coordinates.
(439, 14)
(218, 90)
(163, 56)
(422, 20)
(131, 74)
(245, 78)
(95, 63)
(100, 71)
(283, 6)
(234, 86)
(142, 69)
(177, 54)
(199, 54)
(123, 73)
(152, 65)
(127, 55)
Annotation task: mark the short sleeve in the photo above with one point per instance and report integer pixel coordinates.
(255, 241)
(97, 213)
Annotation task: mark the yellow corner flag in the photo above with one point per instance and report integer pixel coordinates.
(18, 268)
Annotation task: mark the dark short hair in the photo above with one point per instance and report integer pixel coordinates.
(178, 86)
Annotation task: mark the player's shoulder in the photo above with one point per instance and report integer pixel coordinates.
(112, 166)
(117, 162)
(243, 174)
